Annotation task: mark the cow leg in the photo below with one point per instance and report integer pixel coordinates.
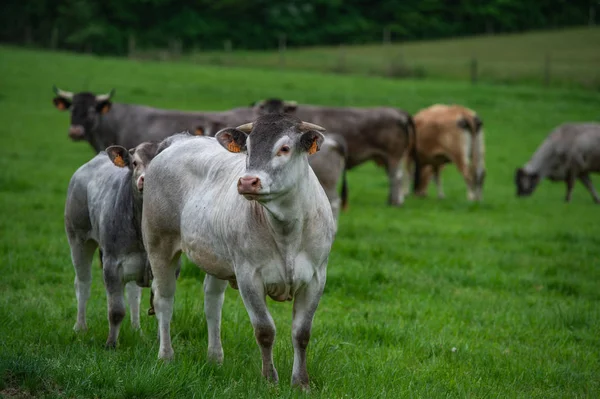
(570, 180)
(115, 300)
(214, 294)
(134, 297)
(165, 277)
(463, 168)
(82, 254)
(587, 181)
(305, 305)
(253, 296)
(437, 178)
(395, 176)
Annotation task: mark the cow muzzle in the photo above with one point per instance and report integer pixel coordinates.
(76, 132)
(249, 186)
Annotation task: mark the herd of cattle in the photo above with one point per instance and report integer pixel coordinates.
(256, 206)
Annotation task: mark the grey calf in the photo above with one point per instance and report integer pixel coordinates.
(103, 209)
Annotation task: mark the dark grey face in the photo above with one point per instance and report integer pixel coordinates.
(86, 109)
(525, 182)
(276, 153)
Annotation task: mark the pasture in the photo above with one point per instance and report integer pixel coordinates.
(567, 57)
(440, 298)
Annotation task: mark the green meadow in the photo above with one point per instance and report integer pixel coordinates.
(439, 298)
(568, 57)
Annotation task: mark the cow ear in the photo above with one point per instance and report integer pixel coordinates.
(61, 103)
(289, 107)
(119, 156)
(311, 141)
(232, 139)
(103, 106)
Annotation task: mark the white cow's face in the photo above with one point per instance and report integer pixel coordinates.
(526, 182)
(276, 152)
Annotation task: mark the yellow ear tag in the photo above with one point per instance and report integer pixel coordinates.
(105, 108)
(199, 131)
(232, 146)
(119, 161)
(313, 148)
(60, 105)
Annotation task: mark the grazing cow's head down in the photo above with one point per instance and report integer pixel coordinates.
(275, 106)
(526, 182)
(277, 147)
(86, 109)
(136, 159)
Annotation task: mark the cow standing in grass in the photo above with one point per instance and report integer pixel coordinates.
(253, 215)
(571, 152)
(104, 209)
(381, 134)
(102, 123)
(449, 134)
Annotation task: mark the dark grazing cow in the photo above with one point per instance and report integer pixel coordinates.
(383, 134)
(102, 123)
(571, 152)
(104, 209)
(246, 208)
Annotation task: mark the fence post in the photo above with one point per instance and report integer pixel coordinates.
(474, 72)
(227, 45)
(54, 38)
(547, 70)
(131, 46)
(387, 35)
(282, 48)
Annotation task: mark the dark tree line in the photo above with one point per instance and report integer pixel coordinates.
(109, 26)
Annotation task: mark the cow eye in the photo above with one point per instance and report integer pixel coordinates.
(284, 150)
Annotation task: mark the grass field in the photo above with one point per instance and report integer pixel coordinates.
(573, 54)
(440, 298)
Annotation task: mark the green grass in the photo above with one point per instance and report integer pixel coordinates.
(509, 58)
(512, 284)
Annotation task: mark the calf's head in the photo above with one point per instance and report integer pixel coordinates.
(136, 159)
(86, 110)
(526, 182)
(277, 147)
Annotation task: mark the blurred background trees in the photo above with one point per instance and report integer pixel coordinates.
(114, 26)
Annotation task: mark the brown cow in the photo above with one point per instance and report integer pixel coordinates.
(450, 134)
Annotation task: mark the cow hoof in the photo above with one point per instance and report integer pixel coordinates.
(80, 328)
(271, 375)
(110, 345)
(302, 385)
(215, 356)
(166, 355)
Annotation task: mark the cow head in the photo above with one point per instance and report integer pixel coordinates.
(136, 159)
(275, 106)
(526, 182)
(86, 109)
(277, 147)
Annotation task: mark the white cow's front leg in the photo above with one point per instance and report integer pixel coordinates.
(305, 305)
(214, 294)
(134, 297)
(253, 296)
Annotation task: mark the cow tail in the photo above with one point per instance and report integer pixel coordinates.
(344, 191)
(476, 145)
(413, 155)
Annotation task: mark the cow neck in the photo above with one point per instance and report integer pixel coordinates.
(104, 133)
(541, 160)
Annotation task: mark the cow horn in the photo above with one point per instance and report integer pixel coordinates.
(290, 103)
(105, 97)
(305, 126)
(246, 127)
(67, 95)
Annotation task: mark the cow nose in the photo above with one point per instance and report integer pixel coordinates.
(249, 185)
(76, 132)
(140, 183)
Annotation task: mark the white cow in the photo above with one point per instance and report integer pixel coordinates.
(254, 216)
